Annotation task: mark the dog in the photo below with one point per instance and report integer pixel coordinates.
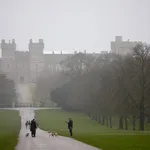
(27, 134)
(53, 134)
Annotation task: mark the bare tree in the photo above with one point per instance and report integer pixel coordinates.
(113, 85)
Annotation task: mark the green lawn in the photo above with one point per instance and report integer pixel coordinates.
(93, 133)
(9, 129)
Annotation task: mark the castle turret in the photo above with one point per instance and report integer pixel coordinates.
(36, 58)
(8, 58)
(8, 49)
(30, 44)
(36, 47)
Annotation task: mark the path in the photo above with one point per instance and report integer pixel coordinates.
(43, 141)
(24, 94)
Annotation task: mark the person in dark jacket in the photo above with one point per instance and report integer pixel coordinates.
(33, 128)
(70, 126)
(29, 123)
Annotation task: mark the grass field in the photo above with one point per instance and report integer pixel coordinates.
(9, 129)
(93, 133)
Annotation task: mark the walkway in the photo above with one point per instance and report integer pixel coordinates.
(43, 141)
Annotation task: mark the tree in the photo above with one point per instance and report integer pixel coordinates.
(142, 70)
(112, 85)
(134, 81)
(7, 92)
(77, 64)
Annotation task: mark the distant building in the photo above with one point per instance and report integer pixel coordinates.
(122, 47)
(27, 66)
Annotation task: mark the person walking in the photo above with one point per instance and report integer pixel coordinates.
(70, 126)
(26, 124)
(29, 123)
(33, 128)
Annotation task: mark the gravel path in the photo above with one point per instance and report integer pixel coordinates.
(42, 141)
(24, 94)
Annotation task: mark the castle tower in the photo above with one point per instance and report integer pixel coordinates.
(8, 58)
(36, 59)
(8, 49)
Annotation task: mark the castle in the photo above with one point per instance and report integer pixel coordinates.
(123, 47)
(27, 66)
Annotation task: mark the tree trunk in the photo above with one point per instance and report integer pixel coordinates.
(89, 114)
(142, 119)
(133, 124)
(121, 122)
(143, 80)
(97, 117)
(100, 119)
(93, 118)
(107, 121)
(110, 122)
(148, 119)
(126, 123)
(103, 120)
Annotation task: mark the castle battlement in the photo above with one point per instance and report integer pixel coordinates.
(11, 45)
(36, 45)
(27, 66)
(123, 47)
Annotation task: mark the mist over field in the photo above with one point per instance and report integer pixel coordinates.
(74, 70)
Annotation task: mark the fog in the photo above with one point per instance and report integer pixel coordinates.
(77, 68)
(74, 24)
(23, 94)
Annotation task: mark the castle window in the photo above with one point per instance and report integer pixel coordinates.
(17, 66)
(57, 67)
(51, 68)
(8, 66)
(36, 66)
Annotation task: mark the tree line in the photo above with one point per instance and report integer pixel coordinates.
(106, 86)
(7, 91)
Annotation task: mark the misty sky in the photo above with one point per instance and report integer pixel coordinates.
(74, 24)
